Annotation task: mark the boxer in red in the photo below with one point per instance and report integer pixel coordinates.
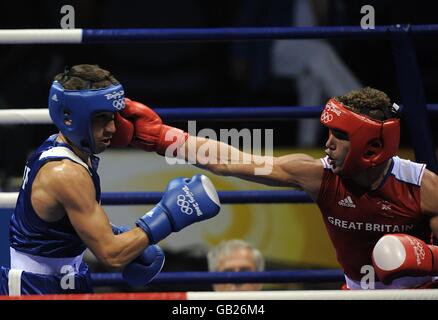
(364, 191)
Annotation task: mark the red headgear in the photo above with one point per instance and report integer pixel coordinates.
(365, 134)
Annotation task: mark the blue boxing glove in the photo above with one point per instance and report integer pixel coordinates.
(145, 267)
(184, 202)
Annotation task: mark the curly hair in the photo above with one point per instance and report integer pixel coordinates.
(85, 76)
(370, 102)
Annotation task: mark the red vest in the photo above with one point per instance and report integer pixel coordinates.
(356, 219)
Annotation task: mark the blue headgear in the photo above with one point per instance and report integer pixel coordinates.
(72, 110)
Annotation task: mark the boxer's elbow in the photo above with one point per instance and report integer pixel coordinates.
(111, 262)
(111, 258)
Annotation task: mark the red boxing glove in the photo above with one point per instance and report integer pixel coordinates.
(150, 134)
(398, 255)
(124, 132)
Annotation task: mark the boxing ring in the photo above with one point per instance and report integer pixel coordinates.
(414, 107)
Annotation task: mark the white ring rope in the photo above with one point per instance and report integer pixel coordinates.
(223, 297)
(25, 116)
(40, 36)
(8, 200)
(406, 294)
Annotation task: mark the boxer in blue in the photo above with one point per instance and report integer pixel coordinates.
(58, 212)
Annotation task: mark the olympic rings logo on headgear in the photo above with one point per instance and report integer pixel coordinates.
(326, 117)
(119, 104)
(184, 204)
(333, 108)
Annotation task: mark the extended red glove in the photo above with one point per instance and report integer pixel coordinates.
(150, 134)
(124, 132)
(398, 255)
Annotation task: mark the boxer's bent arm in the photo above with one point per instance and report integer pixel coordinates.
(429, 199)
(294, 170)
(74, 190)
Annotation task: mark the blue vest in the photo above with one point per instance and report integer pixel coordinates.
(28, 232)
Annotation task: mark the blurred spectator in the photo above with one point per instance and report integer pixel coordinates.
(318, 71)
(234, 256)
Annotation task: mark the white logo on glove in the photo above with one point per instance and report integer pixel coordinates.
(184, 204)
(190, 200)
(418, 250)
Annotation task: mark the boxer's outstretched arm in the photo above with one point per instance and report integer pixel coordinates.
(73, 189)
(293, 170)
(140, 126)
